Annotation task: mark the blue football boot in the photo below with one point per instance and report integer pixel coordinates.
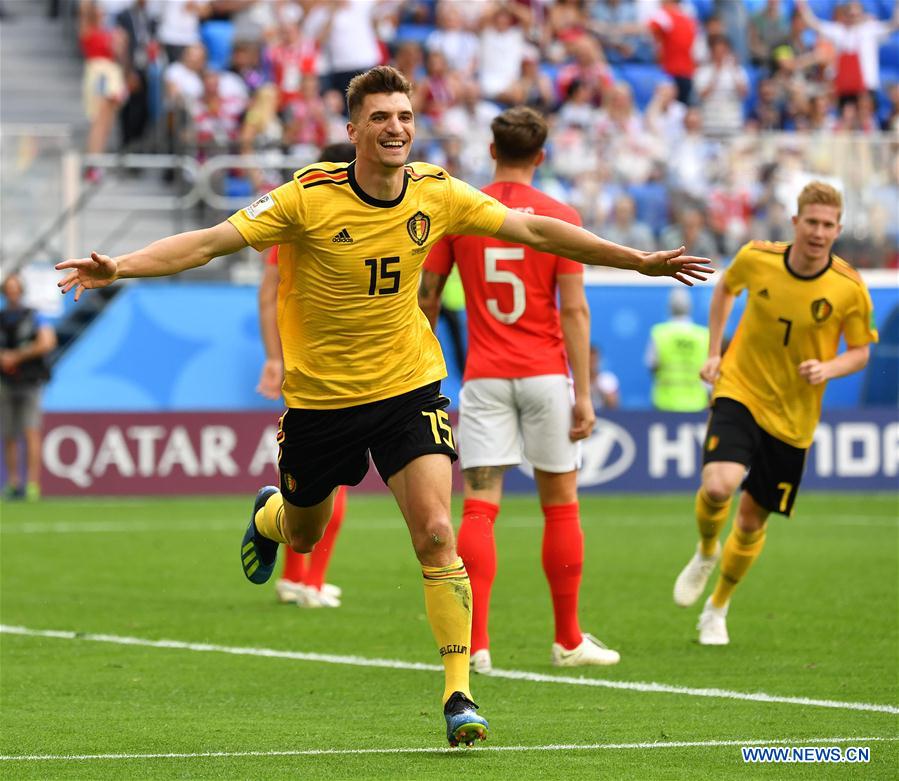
(258, 554)
(463, 725)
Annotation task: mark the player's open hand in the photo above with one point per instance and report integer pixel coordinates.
(583, 418)
(813, 371)
(673, 263)
(87, 273)
(711, 369)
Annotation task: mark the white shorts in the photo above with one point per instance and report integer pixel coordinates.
(501, 421)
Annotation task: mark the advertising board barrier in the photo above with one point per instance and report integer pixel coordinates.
(121, 454)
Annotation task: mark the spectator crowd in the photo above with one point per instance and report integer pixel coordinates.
(672, 121)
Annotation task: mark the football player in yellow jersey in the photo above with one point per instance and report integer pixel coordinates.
(362, 366)
(768, 388)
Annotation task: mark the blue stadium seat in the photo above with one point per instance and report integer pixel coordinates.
(651, 201)
(881, 379)
(889, 53)
(414, 32)
(218, 37)
(823, 9)
(238, 187)
(703, 8)
(642, 78)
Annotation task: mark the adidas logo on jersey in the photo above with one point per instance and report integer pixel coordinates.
(343, 237)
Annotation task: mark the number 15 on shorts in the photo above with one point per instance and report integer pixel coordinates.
(440, 423)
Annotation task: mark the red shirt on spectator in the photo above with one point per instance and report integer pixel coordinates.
(675, 33)
(289, 64)
(98, 44)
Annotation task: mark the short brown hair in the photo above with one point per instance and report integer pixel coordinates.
(518, 134)
(819, 192)
(380, 80)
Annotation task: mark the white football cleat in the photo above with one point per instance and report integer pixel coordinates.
(313, 597)
(590, 652)
(480, 661)
(332, 590)
(712, 625)
(289, 592)
(692, 580)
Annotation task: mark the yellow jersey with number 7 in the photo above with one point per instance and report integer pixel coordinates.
(789, 319)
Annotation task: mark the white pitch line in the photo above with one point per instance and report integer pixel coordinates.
(394, 664)
(510, 521)
(317, 752)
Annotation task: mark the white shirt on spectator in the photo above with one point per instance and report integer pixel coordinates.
(722, 108)
(460, 47)
(352, 44)
(864, 39)
(178, 26)
(500, 59)
(184, 82)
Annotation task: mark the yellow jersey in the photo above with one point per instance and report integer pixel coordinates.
(789, 319)
(349, 267)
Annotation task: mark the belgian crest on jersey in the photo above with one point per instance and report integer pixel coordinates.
(821, 309)
(419, 226)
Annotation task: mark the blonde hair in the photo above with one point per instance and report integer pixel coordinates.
(819, 192)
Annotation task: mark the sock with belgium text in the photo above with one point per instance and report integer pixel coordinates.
(321, 553)
(741, 549)
(563, 562)
(270, 519)
(710, 518)
(477, 548)
(448, 605)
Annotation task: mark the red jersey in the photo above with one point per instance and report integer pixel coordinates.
(510, 293)
(675, 32)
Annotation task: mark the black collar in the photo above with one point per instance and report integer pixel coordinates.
(366, 198)
(800, 276)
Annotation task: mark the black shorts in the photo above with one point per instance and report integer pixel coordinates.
(321, 449)
(775, 468)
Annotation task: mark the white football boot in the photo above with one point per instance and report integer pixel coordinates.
(314, 597)
(289, 592)
(590, 652)
(712, 624)
(693, 578)
(480, 661)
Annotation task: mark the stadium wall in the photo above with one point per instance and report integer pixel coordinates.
(158, 397)
(176, 347)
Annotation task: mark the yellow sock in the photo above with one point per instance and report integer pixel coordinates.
(448, 605)
(741, 549)
(710, 517)
(270, 517)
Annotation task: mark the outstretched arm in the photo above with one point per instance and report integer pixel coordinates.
(548, 234)
(159, 259)
(429, 292)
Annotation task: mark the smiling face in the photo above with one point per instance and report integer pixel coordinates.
(383, 130)
(816, 228)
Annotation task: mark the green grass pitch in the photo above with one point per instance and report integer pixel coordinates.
(816, 619)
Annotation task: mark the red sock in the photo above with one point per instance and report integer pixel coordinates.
(294, 565)
(321, 553)
(476, 546)
(563, 561)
